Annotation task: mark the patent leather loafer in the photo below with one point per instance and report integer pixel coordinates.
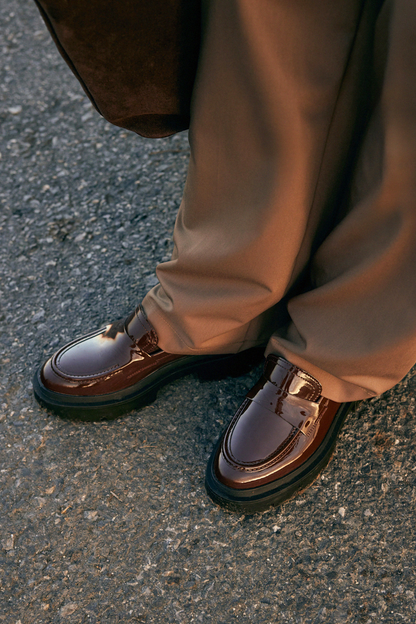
(119, 368)
(279, 440)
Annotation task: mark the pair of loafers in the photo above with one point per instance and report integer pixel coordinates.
(278, 441)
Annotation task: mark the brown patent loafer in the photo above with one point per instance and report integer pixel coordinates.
(119, 368)
(279, 440)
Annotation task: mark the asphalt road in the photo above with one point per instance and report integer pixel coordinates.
(106, 523)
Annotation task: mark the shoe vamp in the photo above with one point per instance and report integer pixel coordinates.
(258, 436)
(261, 448)
(96, 355)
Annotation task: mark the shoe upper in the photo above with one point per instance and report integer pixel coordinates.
(108, 360)
(280, 424)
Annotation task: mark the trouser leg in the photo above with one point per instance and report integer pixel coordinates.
(269, 80)
(356, 327)
(282, 89)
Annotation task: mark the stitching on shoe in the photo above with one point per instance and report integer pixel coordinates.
(268, 463)
(61, 371)
(270, 458)
(287, 448)
(64, 350)
(250, 467)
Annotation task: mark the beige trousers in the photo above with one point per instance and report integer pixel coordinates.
(298, 221)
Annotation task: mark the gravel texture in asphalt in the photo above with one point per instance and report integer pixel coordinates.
(109, 522)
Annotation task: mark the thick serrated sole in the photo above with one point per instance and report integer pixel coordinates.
(144, 392)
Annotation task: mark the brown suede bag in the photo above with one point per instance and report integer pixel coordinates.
(136, 59)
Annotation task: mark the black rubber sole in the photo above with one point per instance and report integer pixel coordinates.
(273, 494)
(114, 404)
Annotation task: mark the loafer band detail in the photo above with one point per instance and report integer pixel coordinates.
(299, 413)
